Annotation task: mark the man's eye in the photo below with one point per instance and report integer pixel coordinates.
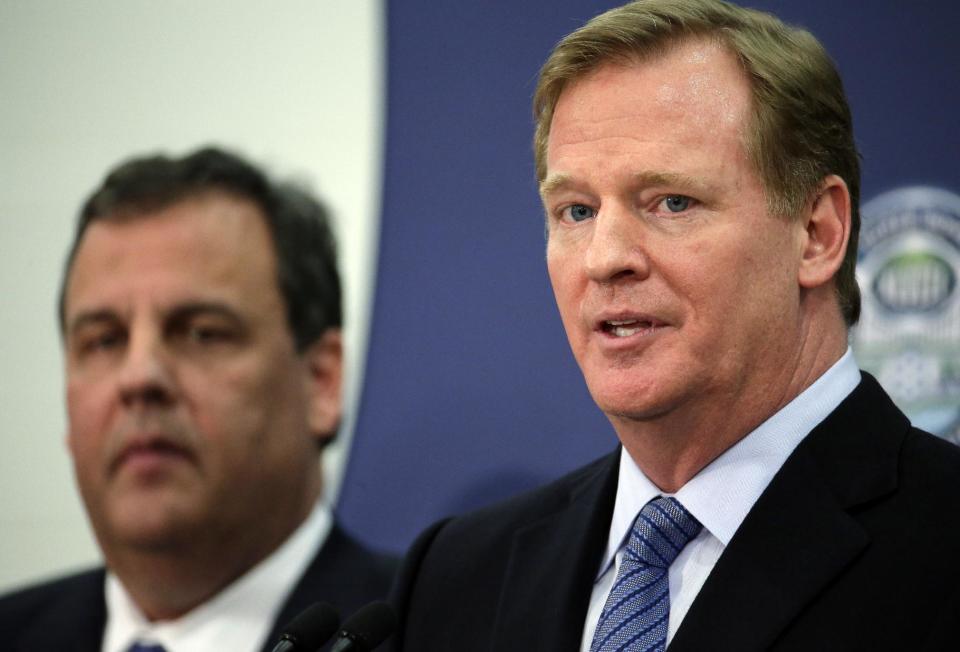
(206, 334)
(100, 342)
(676, 203)
(577, 213)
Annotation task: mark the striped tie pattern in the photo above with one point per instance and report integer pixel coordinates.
(635, 615)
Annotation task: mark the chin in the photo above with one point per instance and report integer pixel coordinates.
(152, 526)
(632, 403)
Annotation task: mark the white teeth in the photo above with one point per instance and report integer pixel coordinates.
(620, 331)
(625, 327)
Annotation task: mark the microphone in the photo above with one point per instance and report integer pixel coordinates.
(366, 629)
(309, 630)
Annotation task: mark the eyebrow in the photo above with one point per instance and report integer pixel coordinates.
(178, 313)
(553, 183)
(676, 179)
(86, 318)
(558, 181)
(187, 310)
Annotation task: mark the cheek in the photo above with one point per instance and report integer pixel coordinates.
(221, 406)
(563, 279)
(770, 269)
(87, 454)
(88, 409)
(713, 284)
(699, 272)
(241, 404)
(740, 290)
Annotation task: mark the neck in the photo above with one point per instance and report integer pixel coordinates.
(673, 447)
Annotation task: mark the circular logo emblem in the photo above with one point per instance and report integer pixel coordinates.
(909, 330)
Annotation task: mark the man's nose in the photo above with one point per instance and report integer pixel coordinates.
(616, 250)
(147, 374)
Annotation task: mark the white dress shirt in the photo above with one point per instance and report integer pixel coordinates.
(719, 496)
(239, 618)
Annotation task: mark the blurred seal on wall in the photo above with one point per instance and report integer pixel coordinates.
(909, 331)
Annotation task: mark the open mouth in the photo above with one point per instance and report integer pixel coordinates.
(627, 327)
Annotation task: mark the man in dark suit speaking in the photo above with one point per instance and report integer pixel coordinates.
(201, 316)
(698, 171)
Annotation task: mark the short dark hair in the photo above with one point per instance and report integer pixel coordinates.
(299, 225)
(800, 130)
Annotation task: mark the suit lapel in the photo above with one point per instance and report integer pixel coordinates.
(74, 622)
(552, 567)
(343, 574)
(799, 536)
(793, 542)
(320, 581)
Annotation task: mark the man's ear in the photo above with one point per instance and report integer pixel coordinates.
(324, 361)
(827, 233)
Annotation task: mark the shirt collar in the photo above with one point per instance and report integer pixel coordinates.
(238, 618)
(723, 492)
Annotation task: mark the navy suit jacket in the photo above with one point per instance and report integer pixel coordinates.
(69, 615)
(853, 546)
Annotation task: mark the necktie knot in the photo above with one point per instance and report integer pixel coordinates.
(146, 647)
(662, 529)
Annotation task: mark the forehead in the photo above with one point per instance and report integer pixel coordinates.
(694, 88)
(210, 247)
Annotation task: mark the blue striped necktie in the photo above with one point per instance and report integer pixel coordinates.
(635, 616)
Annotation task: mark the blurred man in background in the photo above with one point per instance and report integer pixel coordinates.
(201, 316)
